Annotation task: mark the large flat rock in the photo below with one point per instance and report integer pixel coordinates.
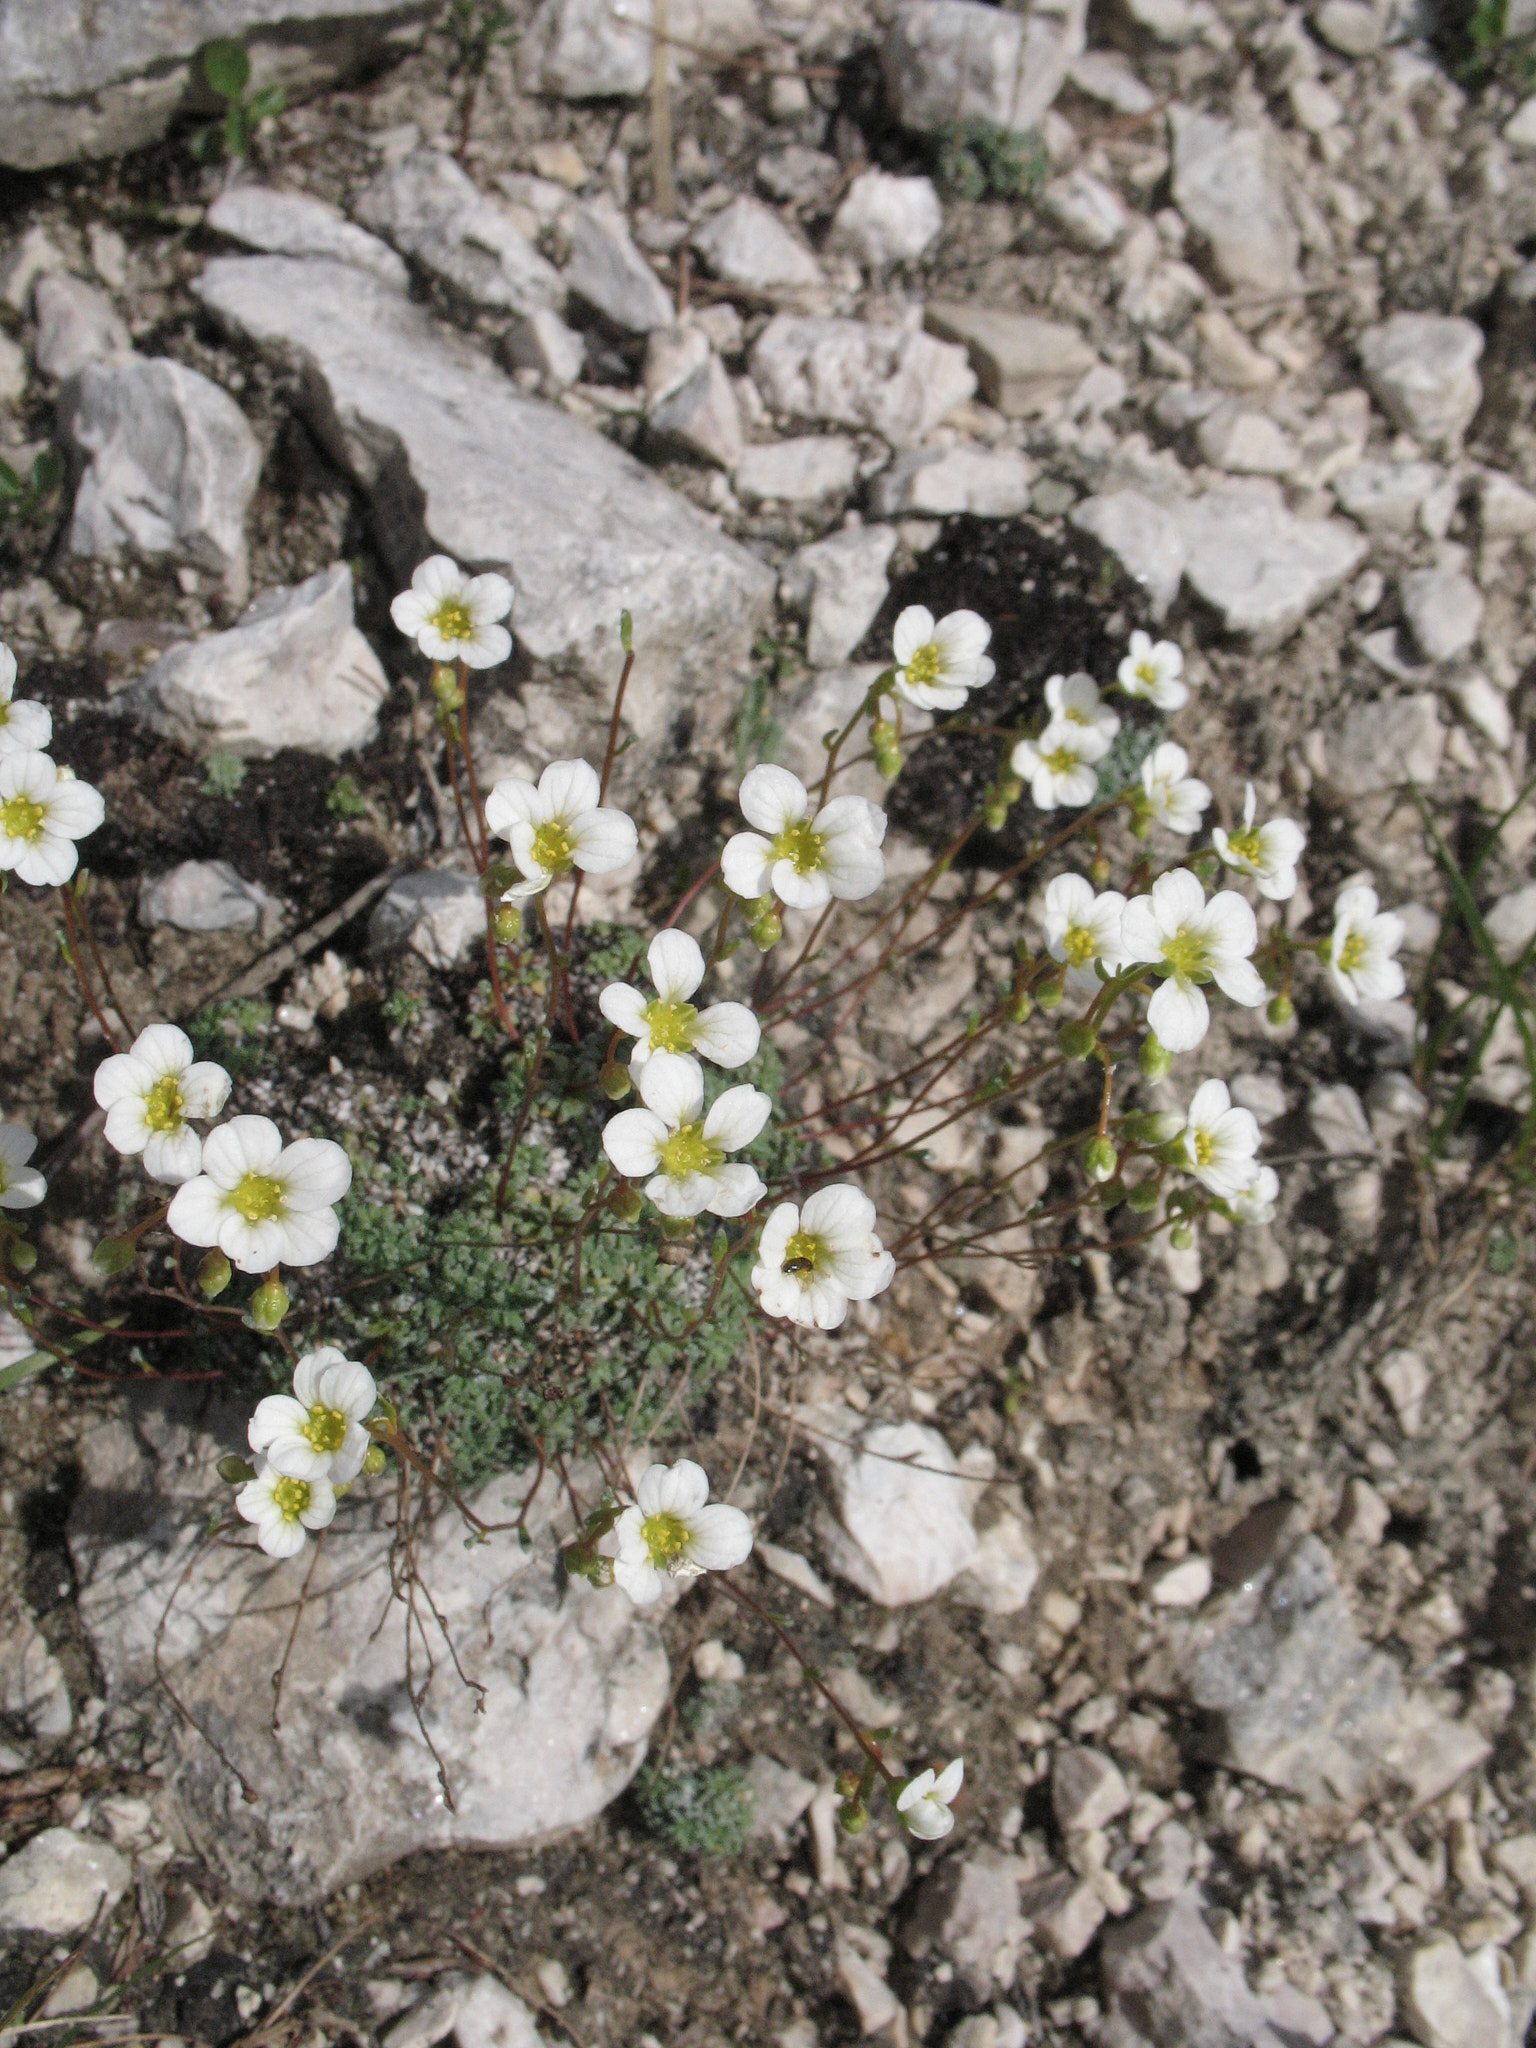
(455, 458)
(79, 78)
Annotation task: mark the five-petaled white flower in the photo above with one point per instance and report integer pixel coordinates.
(453, 617)
(21, 1186)
(25, 725)
(1268, 853)
(150, 1091)
(937, 666)
(812, 1261)
(1154, 672)
(284, 1508)
(263, 1203)
(1190, 941)
(1360, 951)
(317, 1432)
(1076, 698)
(726, 1033)
(43, 811)
(1081, 927)
(672, 1533)
(1220, 1141)
(1173, 797)
(559, 824)
(805, 861)
(1059, 765)
(683, 1150)
(1256, 1202)
(924, 1802)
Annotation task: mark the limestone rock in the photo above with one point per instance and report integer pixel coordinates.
(13, 372)
(902, 1527)
(1143, 536)
(949, 61)
(1505, 506)
(1185, 1584)
(1511, 923)
(488, 2015)
(33, 1691)
(76, 325)
(862, 1957)
(856, 374)
(1024, 363)
(609, 272)
(293, 671)
(1259, 565)
(574, 1678)
(1385, 743)
(1002, 1575)
(746, 244)
(1226, 188)
(296, 224)
(780, 1797)
(1087, 1789)
(543, 342)
(1352, 27)
(702, 415)
(59, 1882)
(1087, 211)
(1443, 610)
(1064, 1913)
(1247, 443)
(437, 913)
(432, 432)
(839, 584)
(968, 1911)
(1168, 1984)
(989, 483)
(1105, 76)
(80, 79)
(884, 219)
(804, 470)
(206, 896)
(602, 49)
(824, 703)
(1386, 496)
(170, 464)
(1422, 368)
(1449, 2002)
(434, 214)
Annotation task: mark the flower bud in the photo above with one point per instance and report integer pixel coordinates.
(1112, 1193)
(853, 1817)
(1099, 871)
(614, 1080)
(625, 1203)
(446, 687)
(1076, 1038)
(1280, 1009)
(499, 877)
(677, 1229)
(1181, 1237)
(214, 1273)
(995, 815)
(1101, 1158)
(507, 924)
(23, 1255)
(235, 1470)
(886, 747)
(1049, 997)
(374, 1462)
(1020, 1008)
(269, 1304)
(1154, 1059)
(767, 931)
(113, 1255)
(1143, 1197)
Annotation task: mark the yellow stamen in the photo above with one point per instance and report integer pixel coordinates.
(20, 818)
(454, 620)
(670, 1025)
(926, 665)
(326, 1428)
(165, 1105)
(666, 1538)
(801, 845)
(291, 1497)
(258, 1198)
(553, 848)
(689, 1151)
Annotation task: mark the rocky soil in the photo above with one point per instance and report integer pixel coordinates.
(1215, 1565)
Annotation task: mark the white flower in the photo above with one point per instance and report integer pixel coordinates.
(150, 1091)
(938, 665)
(1191, 941)
(802, 860)
(672, 1533)
(1268, 853)
(452, 617)
(559, 825)
(1154, 672)
(812, 1261)
(1059, 765)
(21, 1186)
(25, 725)
(1360, 951)
(1220, 1141)
(283, 1508)
(1173, 796)
(924, 1802)
(726, 1033)
(683, 1150)
(1076, 698)
(317, 1431)
(1256, 1202)
(43, 811)
(263, 1203)
(1081, 927)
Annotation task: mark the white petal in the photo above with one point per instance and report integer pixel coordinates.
(439, 576)
(682, 1488)
(676, 964)
(624, 1007)
(197, 1211)
(173, 1155)
(801, 892)
(840, 1215)
(719, 1537)
(488, 598)
(687, 1194)
(1178, 1016)
(204, 1088)
(772, 799)
(348, 1386)
(47, 863)
(253, 1247)
(568, 788)
(633, 1140)
(672, 1085)
(913, 629)
(962, 637)
(126, 1130)
(314, 1173)
(513, 802)
(489, 647)
(308, 1236)
(728, 1034)
(122, 1078)
(737, 1116)
(1210, 1100)
(777, 1231)
(737, 1189)
(75, 809)
(246, 1144)
(604, 841)
(163, 1049)
(1241, 981)
(745, 864)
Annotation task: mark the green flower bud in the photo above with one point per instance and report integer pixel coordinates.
(113, 1255)
(214, 1273)
(625, 1203)
(767, 931)
(375, 1461)
(886, 747)
(1098, 871)
(1101, 1159)
(1049, 997)
(853, 1817)
(1143, 1197)
(235, 1470)
(23, 1255)
(507, 923)
(499, 877)
(677, 1229)
(614, 1080)
(269, 1304)
(1076, 1039)
(1280, 1009)
(446, 687)
(995, 815)
(1154, 1059)
(1020, 1008)
(1181, 1237)
(1112, 1193)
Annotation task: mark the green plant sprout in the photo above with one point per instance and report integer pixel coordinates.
(30, 497)
(223, 773)
(978, 160)
(226, 69)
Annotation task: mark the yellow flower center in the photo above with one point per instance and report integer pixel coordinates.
(1247, 845)
(1352, 953)
(1078, 946)
(666, 1538)
(20, 818)
(1205, 1151)
(454, 620)
(326, 1428)
(553, 848)
(1185, 954)
(688, 1151)
(670, 1025)
(291, 1497)
(926, 665)
(1146, 672)
(258, 1198)
(803, 1254)
(165, 1105)
(802, 845)
(1062, 762)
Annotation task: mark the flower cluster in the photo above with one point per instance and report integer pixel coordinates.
(43, 809)
(310, 1445)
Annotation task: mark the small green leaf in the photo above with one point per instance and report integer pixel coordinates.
(226, 67)
(24, 1369)
(267, 104)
